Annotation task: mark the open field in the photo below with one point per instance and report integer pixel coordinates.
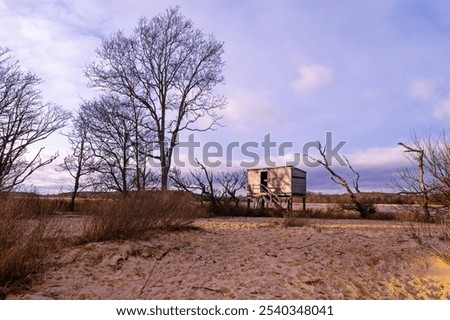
(252, 258)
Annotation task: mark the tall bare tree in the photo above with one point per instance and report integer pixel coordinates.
(24, 121)
(80, 162)
(119, 142)
(168, 67)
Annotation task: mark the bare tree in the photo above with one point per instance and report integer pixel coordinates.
(359, 201)
(168, 67)
(200, 182)
(437, 165)
(429, 177)
(415, 185)
(24, 121)
(119, 142)
(109, 138)
(143, 142)
(232, 182)
(218, 189)
(80, 162)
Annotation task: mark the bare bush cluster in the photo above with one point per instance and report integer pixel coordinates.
(219, 190)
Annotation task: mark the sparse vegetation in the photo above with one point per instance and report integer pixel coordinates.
(134, 215)
(27, 234)
(290, 221)
(24, 244)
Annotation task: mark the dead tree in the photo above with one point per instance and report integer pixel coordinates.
(417, 154)
(359, 202)
(219, 190)
(432, 182)
(232, 182)
(201, 183)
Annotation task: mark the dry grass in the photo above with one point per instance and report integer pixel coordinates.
(289, 222)
(32, 205)
(134, 215)
(330, 212)
(29, 231)
(24, 244)
(439, 228)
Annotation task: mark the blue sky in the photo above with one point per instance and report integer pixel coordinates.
(370, 72)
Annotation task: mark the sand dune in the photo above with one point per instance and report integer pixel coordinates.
(254, 258)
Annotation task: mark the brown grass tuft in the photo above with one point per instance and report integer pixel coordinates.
(289, 222)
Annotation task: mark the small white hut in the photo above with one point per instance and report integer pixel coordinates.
(277, 185)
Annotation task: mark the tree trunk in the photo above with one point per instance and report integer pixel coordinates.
(164, 177)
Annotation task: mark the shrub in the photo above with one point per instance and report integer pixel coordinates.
(134, 214)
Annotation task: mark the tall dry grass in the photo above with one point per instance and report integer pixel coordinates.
(134, 215)
(29, 231)
(24, 244)
(32, 205)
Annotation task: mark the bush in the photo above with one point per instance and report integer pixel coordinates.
(135, 214)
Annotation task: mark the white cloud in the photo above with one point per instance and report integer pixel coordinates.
(311, 77)
(54, 51)
(421, 89)
(377, 157)
(246, 111)
(442, 109)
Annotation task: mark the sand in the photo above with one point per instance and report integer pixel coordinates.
(254, 258)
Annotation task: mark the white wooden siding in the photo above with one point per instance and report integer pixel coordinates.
(287, 180)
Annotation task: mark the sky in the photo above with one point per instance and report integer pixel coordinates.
(369, 72)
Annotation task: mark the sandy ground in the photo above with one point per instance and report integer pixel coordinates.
(254, 258)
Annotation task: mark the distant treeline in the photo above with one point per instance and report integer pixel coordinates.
(375, 197)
